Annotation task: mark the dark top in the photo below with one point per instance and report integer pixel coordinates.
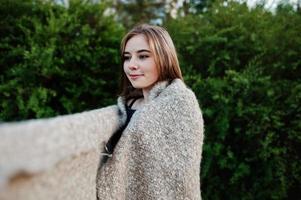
(109, 147)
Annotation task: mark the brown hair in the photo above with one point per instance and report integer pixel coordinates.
(164, 52)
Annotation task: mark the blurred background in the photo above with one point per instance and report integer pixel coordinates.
(242, 59)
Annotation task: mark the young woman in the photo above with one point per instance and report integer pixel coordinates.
(156, 153)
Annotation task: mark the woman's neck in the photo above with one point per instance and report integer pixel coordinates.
(145, 95)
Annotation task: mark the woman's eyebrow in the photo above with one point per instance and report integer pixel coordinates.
(143, 50)
(139, 51)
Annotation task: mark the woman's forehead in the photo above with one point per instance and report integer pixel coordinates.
(137, 43)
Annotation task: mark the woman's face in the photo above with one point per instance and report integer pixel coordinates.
(139, 63)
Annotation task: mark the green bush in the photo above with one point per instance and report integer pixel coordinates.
(244, 66)
(57, 60)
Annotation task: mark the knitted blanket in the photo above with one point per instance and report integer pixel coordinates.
(159, 153)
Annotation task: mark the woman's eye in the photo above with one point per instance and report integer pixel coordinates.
(143, 56)
(125, 58)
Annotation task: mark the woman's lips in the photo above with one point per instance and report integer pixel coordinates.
(135, 76)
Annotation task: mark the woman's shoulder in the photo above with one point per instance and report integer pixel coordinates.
(178, 96)
(179, 90)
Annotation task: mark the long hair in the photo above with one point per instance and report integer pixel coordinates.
(164, 52)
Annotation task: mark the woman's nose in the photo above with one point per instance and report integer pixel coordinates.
(133, 67)
(133, 64)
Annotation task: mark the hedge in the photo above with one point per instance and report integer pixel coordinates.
(57, 60)
(244, 65)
